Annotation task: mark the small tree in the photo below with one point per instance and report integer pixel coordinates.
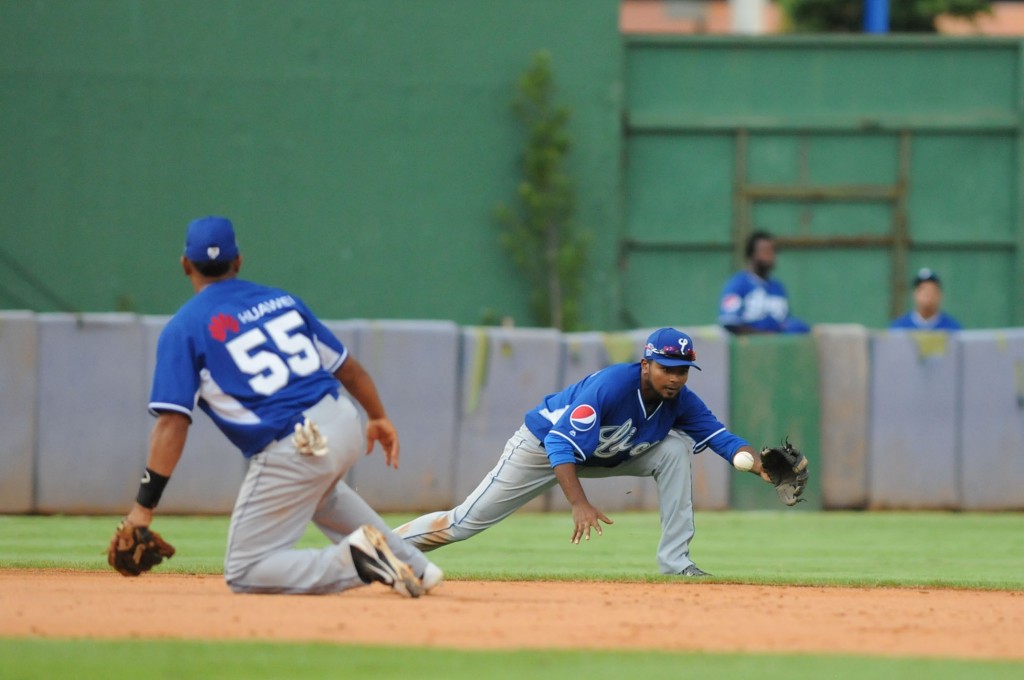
(905, 16)
(538, 232)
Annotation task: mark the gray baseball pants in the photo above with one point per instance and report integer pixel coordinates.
(283, 492)
(524, 472)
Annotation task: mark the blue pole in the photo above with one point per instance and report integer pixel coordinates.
(876, 16)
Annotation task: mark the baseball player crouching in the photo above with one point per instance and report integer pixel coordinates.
(267, 372)
(632, 419)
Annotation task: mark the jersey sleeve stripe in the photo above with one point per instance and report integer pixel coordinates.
(331, 360)
(579, 452)
(703, 444)
(156, 407)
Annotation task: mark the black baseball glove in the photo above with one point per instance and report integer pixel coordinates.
(787, 468)
(134, 550)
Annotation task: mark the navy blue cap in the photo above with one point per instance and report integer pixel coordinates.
(670, 347)
(211, 239)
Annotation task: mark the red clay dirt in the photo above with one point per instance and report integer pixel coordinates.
(684, 616)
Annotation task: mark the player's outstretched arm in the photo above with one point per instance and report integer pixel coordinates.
(584, 515)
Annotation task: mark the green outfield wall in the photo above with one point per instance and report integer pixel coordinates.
(362, 147)
(868, 157)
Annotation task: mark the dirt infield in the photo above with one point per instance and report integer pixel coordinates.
(513, 615)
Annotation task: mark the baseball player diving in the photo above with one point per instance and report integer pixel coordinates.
(632, 419)
(268, 373)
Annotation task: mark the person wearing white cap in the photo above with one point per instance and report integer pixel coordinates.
(927, 314)
(633, 420)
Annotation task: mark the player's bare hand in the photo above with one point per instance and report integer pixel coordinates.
(586, 517)
(383, 431)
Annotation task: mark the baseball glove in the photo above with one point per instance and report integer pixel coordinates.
(787, 468)
(134, 550)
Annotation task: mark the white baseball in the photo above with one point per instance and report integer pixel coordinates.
(743, 461)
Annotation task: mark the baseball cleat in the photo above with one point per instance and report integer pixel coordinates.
(694, 571)
(432, 577)
(374, 561)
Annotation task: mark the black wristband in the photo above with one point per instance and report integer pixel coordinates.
(151, 488)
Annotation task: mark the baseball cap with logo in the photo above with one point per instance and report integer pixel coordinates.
(670, 347)
(926, 274)
(211, 239)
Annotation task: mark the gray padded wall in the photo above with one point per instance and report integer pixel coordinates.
(349, 332)
(211, 468)
(584, 353)
(913, 450)
(414, 364)
(505, 372)
(92, 412)
(843, 375)
(19, 345)
(913, 420)
(992, 445)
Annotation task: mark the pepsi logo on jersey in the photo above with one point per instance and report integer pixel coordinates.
(731, 303)
(583, 417)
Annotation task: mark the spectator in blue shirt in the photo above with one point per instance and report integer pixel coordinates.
(752, 301)
(927, 314)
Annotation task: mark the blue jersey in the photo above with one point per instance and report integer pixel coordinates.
(749, 300)
(914, 321)
(253, 357)
(601, 421)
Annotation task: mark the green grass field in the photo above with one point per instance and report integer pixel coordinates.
(955, 550)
